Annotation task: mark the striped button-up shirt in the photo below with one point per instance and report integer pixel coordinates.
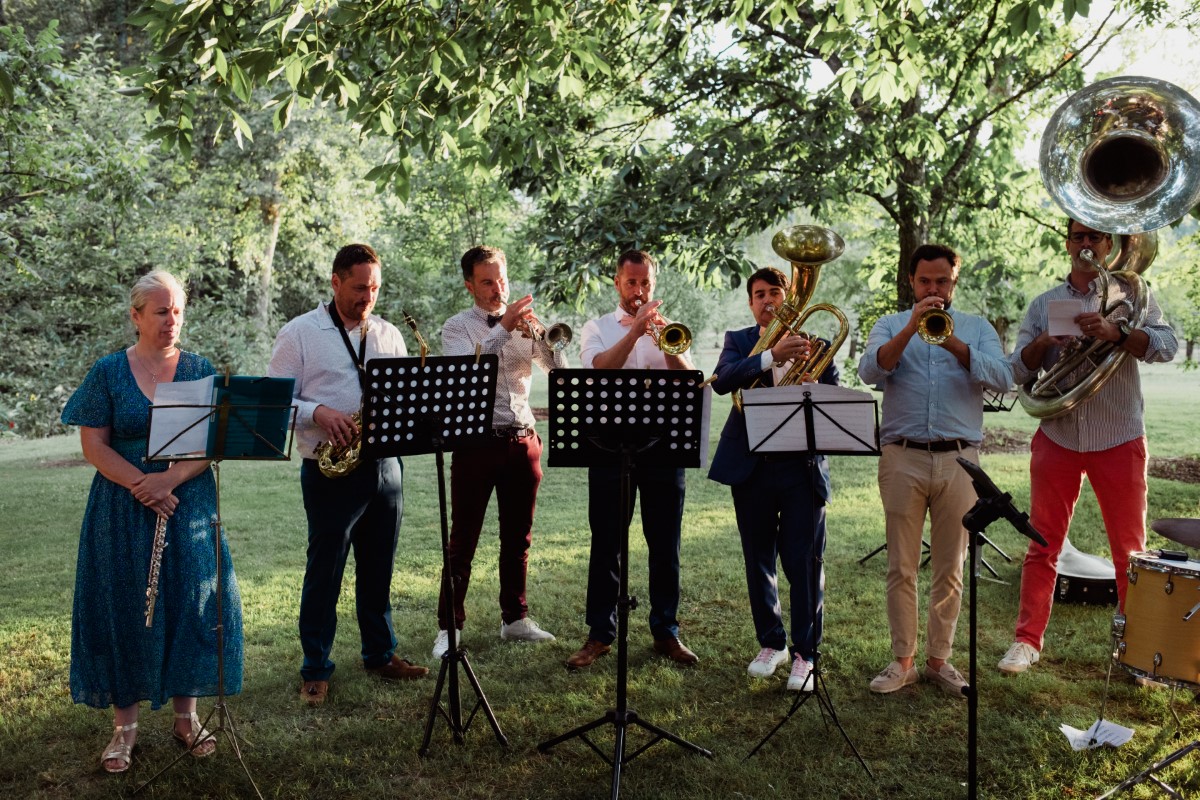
(929, 396)
(310, 349)
(517, 355)
(1113, 415)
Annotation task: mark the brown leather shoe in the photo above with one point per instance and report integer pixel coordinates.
(675, 650)
(399, 669)
(314, 692)
(586, 655)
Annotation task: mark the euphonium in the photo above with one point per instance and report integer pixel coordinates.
(336, 461)
(806, 247)
(1119, 156)
(935, 325)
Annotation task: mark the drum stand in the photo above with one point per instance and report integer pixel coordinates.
(1148, 774)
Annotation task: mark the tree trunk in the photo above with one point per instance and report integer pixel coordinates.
(272, 215)
(914, 216)
(1190, 344)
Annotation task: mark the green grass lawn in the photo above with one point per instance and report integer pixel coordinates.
(364, 741)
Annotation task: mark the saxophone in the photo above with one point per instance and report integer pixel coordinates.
(156, 555)
(337, 461)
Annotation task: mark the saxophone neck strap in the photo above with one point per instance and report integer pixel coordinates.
(357, 358)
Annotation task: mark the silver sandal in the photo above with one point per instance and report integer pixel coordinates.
(118, 749)
(200, 742)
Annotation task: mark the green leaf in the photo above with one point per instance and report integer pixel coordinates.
(219, 62)
(241, 128)
(1034, 21)
(1068, 10)
(293, 71)
(240, 83)
(292, 21)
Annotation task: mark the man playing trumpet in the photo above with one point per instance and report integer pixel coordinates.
(626, 339)
(510, 462)
(932, 413)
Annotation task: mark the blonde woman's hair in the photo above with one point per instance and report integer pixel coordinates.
(152, 281)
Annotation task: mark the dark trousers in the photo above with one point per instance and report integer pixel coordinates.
(362, 511)
(662, 491)
(513, 468)
(779, 516)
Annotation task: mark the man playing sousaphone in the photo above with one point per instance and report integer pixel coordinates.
(932, 413)
(1103, 438)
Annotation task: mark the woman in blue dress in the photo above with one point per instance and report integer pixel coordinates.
(116, 660)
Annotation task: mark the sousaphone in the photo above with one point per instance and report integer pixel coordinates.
(1119, 156)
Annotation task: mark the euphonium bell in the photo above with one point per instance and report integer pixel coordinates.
(935, 326)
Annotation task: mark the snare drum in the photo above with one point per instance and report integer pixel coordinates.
(1158, 636)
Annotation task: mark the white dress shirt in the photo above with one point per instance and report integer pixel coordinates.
(603, 334)
(310, 349)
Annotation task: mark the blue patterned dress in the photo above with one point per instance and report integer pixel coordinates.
(115, 659)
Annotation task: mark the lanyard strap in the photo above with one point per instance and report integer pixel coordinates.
(357, 358)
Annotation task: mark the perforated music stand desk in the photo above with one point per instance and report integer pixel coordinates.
(247, 420)
(434, 404)
(812, 419)
(620, 417)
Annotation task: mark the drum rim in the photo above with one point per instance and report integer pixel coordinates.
(1155, 563)
(1176, 683)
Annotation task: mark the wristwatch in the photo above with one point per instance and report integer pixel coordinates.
(1125, 331)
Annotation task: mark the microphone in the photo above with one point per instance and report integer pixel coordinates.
(994, 504)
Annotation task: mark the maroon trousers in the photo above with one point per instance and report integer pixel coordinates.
(512, 468)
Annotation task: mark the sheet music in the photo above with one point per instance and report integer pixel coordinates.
(775, 419)
(181, 432)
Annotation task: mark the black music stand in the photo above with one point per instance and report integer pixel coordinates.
(246, 418)
(430, 405)
(991, 506)
(619, 418)
(841, 421)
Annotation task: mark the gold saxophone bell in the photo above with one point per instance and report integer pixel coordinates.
(935, 326)
(1119, 156)
(336, 461)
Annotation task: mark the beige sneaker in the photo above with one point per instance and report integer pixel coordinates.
(947, 677)
(1020, 657)
(894, 677)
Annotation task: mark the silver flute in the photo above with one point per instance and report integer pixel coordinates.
(156, 554)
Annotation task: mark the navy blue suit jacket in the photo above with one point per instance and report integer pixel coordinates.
(733, 463)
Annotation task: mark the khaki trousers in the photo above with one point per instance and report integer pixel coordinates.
(912, 482)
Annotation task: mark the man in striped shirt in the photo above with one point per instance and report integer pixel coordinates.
(509, 463)
(1103, 438)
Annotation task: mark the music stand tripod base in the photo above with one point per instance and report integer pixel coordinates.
(431, 404)
(585, 432)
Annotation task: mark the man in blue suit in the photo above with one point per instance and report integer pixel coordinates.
(779, 499)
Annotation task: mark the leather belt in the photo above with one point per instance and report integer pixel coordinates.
(944, 446)
(512, 434)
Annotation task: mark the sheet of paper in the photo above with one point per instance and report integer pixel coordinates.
(1101, 732)
(844, 419)
(1062, 314)
(179, 419)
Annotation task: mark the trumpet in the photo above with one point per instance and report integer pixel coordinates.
(935, 326)
(673, 338)
(557, 336)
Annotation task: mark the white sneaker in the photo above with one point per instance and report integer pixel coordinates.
(801, 679)
(524, 630)
(1020, 657)
(767, 661)
(442, 643)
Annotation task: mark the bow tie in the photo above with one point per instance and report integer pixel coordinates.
(492, 320)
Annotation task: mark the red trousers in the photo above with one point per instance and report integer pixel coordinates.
(1118, 477)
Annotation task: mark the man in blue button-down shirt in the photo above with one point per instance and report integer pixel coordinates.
(932, 413)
